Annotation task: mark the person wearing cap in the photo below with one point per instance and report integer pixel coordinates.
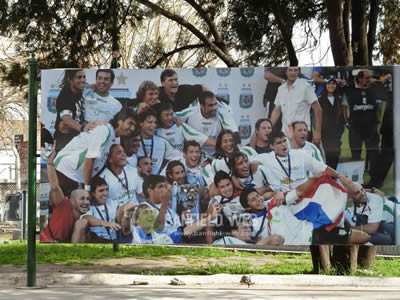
(332, 122)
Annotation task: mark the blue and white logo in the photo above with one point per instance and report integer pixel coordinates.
(245, 128)
(199, 72)
(246, 98)
(52, 100)
(223, 92)
(247, 72)
(223, 72)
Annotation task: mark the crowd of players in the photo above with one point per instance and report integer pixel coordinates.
(168, 166)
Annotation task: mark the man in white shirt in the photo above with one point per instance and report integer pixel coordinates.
(294, 99)
(177, 133)
(246, 174)
(123, 180)
(286, 169)
(86, 154)
(299, 140)
(366, 214)
(209, 118)
(153, 146)
(157, 196)
(101, 218)
(99, 104)
(131, 146)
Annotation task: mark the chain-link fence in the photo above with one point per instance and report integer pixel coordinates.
(13, 183)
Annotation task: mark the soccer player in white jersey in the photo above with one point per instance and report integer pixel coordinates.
(273, 218)
(227, 200)
(131, 146)
(151, 145)
(123, 180)
(192, 156)
(208, 118)
(157, 194)
(226, 145)
(101, 218)
(86, 154)
(99, 104)
(240, 234)
(191, 159)
(142, 229)
(176, 133)
(176, 176)
(286, 169)
(247, 174)
(297, 135)
(267, 220)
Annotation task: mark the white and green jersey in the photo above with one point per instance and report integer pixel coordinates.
(281, 222)
(140, 237)
(222, 164)
(108, 213)
(232, 209)
(132, 160)
(158, 149)
(259, 178)
(98, 107)
(286, 173)
(210, 127)
(311, 150)
(124, 187)
(177, 135)
(172, 221)
(93, 144)
(388, 210)
(195, 171)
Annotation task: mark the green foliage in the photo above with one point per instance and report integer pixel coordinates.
(255, 27)
(16, 74)
(65, 33)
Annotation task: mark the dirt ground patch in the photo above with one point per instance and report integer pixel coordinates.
(140, 264)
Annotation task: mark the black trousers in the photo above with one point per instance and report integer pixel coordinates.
(331, 143)
(371, 141)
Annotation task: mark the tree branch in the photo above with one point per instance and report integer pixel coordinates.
(225, 57)
(166, 55)
(209, 22)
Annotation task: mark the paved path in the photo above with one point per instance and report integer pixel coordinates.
(200, 292)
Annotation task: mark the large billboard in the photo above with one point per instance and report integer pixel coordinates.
(223, 156)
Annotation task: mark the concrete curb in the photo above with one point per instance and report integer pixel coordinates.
(106, 279)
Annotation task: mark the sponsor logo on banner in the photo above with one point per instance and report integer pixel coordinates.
(247, 72)
(245, 127)
(199, 72)
(223, 92)
(246, 97)
(223, 72)
(52, 100)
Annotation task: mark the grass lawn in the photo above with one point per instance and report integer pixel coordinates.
(200, 261)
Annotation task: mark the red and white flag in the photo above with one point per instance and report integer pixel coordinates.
(323, 205)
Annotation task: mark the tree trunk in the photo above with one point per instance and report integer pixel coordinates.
(321, 258)
(285, 29)
(359, 33)
(366, 256)
(372, 23)
(337, 34)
